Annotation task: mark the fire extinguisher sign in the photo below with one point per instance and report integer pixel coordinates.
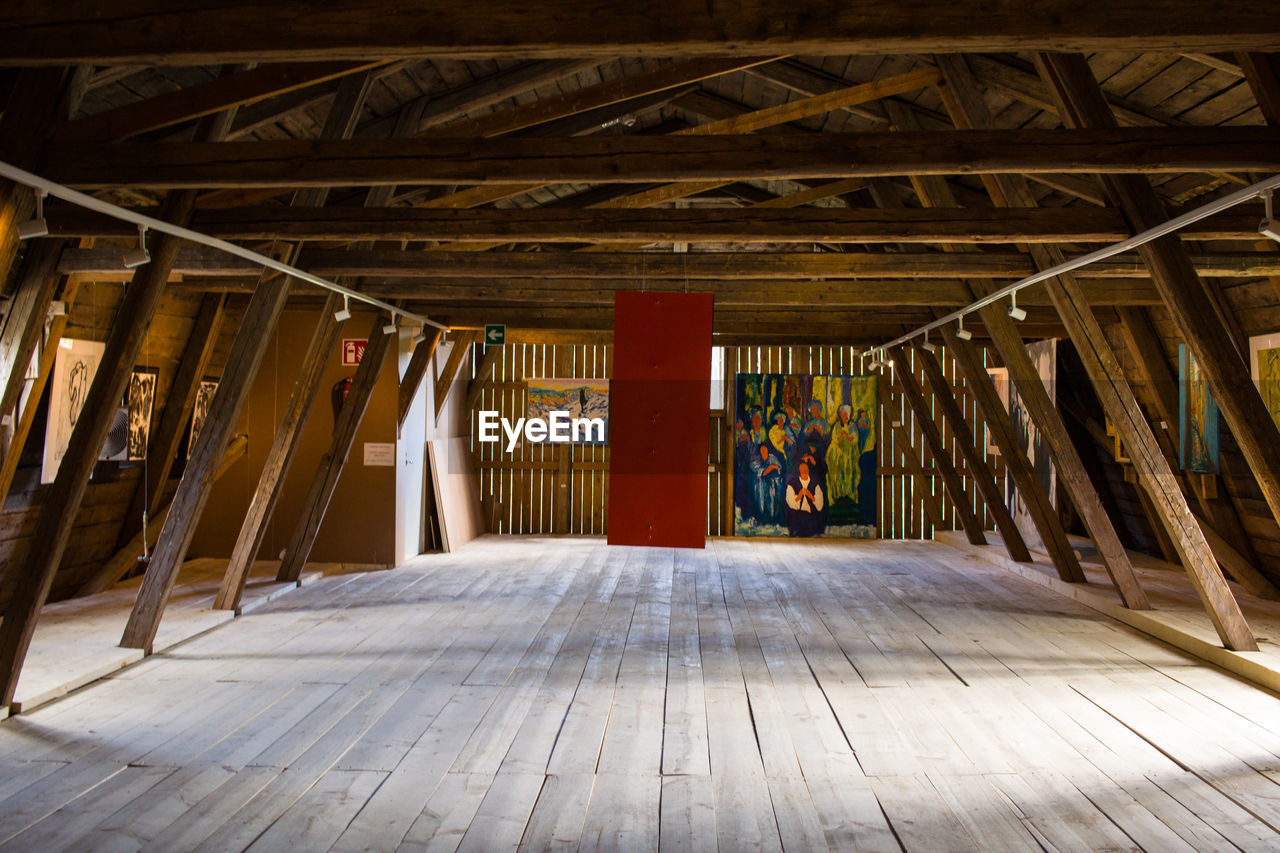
(353, 351)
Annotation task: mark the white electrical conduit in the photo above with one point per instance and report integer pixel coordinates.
(1262, 189)
(21, 176)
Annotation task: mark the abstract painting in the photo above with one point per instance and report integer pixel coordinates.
(1044, 356)
(1197, 417)
(1264, 357)
(142, 398)
(805, 455)
(73, 370)
(204, 398)
(581, 398)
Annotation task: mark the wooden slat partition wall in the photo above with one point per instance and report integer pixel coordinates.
(520, 490)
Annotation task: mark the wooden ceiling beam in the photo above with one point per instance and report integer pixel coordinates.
(153, 32)
(635, 159)
(768, 222)
(107, 264)
(897, 293)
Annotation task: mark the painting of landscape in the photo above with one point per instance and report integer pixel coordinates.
(581, 398)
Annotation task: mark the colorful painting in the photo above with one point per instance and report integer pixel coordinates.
(999, 378)
(581, 398)
(1197, 417)
(1044, 355)
(73, 370)
(805, 455)
(1264, 357)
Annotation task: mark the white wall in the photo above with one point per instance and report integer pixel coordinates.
(420, 427)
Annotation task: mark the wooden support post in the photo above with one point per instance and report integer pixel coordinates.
(1045, 518)
(1193, 307)
(271, 481)
(340, 123)
(968, 110)
(331, 464)
(981, 473)
(447, 378)
(416, 370)
(933, 440)
(57, 515)
(177, 412)
(24, 326)
(247, 351)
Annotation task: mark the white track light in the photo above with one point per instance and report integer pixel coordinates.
(1014, 311)
(926, 346)
(419, 338)
(37, 227)
(390, 328)
(135, 258)
(961, 332)
(1268, 227)
(343, 314)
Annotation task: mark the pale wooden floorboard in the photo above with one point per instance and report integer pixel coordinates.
(531, 693)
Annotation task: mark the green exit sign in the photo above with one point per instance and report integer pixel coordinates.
(495, 335)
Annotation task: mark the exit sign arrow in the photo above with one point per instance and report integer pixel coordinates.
(495, 335)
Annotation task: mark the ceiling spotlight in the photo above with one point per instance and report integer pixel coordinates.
(419, 338)
(1268, 227)
(37, 227)
(390, 328)
(343, 314)
(1014, 311)
(135, 258)
(926, 346)
(961, 332)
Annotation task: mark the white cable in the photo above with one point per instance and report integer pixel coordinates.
(1259, 190)
(22, 176)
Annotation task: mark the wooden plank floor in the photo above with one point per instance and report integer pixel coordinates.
(532, 693)
(77, 640)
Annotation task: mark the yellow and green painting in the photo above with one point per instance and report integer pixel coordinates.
(1198, 417)
(805, 455)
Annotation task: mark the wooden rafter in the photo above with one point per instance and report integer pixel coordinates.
(1195, 311)
(772, 221)
(81, 31)
(229, 90)
(642, 158)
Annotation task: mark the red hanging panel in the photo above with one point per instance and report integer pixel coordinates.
(659, 411)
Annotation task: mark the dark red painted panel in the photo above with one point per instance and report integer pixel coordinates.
(659, 411)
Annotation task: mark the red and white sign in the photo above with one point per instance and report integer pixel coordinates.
(353, 351)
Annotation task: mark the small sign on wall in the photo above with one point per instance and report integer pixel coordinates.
(353, 351)
(379, 454)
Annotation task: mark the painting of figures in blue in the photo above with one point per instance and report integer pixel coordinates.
(805, 455)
